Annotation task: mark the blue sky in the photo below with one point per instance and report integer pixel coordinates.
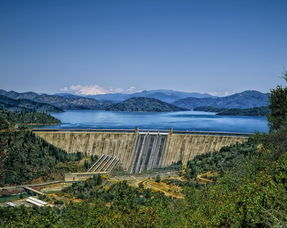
(215, 46)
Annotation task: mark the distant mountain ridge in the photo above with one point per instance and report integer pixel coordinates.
(243, 100)
(144, 104)
(62, 102)
(168, 96)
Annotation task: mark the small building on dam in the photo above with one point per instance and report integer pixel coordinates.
(137, 150)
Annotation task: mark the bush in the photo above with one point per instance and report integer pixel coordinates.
(157, 178)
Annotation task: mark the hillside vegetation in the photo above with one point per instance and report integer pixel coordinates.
(26, 118)
(143, 104)
(25, 157)
(251, 191)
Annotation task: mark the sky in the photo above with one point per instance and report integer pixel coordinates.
(104, 46)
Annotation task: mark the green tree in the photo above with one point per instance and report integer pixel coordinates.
(157, 178)
(278, 107)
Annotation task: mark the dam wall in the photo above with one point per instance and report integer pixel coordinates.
(185, 147)
(119, 145)
(140, 151)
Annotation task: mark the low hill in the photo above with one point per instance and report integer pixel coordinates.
(143, 104)
(246, 99)
(11, 104)
(257, 111)
(62, 102)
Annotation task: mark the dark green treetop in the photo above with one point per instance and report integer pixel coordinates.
(278, 107)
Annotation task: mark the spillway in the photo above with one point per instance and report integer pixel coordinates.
(148, 153)
(139, 151)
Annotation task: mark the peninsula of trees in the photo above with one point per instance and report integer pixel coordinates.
(144, 104)
(257, 111)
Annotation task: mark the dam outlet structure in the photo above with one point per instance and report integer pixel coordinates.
(140, 150)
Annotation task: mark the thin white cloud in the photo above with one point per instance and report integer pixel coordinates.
(84, 90)
(132, 89)
(220, 94)
(95, 89)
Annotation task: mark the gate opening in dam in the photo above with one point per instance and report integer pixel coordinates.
(137, 151)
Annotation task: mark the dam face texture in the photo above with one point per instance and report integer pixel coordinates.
(140, 151)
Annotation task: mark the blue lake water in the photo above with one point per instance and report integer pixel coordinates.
(189, 120)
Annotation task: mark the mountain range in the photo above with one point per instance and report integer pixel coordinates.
(243, 100)
(62, 102)
(11, 104)
(168, 96)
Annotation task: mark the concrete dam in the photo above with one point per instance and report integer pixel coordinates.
(138, 151)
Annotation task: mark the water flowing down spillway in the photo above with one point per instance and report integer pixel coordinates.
(148, 152)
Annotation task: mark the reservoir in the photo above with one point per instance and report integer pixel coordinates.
(187, 120)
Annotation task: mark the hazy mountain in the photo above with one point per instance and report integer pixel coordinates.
(144, 104)
(168, 96)
(63, 102)
(11, 104)
(246, 99)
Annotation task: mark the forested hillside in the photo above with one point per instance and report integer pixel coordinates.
(25, 157)
(25, 117)
(143, 104)
(18, 105)
(251, 190)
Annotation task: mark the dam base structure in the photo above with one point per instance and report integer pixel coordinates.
(139, 151)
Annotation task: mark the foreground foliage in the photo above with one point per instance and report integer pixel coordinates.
(221, 162)
(250, 192)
